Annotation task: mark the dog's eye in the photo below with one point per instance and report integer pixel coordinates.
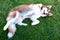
(44, 12)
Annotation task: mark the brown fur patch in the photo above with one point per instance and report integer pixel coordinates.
(20, 8)
(13, 14)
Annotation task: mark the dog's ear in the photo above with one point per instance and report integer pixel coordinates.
(49, 6)
(41, 6)
(50, 14)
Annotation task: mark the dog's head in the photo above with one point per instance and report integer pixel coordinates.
(45, 10)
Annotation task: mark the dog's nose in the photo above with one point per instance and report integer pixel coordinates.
(46, 14)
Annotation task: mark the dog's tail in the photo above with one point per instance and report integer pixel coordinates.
(11, 21)
(12, 30)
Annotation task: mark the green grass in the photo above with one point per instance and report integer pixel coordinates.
(47, 29)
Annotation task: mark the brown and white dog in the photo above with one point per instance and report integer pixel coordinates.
(19, 13)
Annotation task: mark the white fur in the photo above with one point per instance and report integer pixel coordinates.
(10, 35)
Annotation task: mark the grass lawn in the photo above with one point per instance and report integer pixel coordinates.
(47, 29)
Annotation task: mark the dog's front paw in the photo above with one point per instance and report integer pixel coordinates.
(35, 22)
(24, 24)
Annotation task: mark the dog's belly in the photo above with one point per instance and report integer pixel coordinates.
(27, 14)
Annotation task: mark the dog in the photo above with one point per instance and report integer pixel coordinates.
(19, 13)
